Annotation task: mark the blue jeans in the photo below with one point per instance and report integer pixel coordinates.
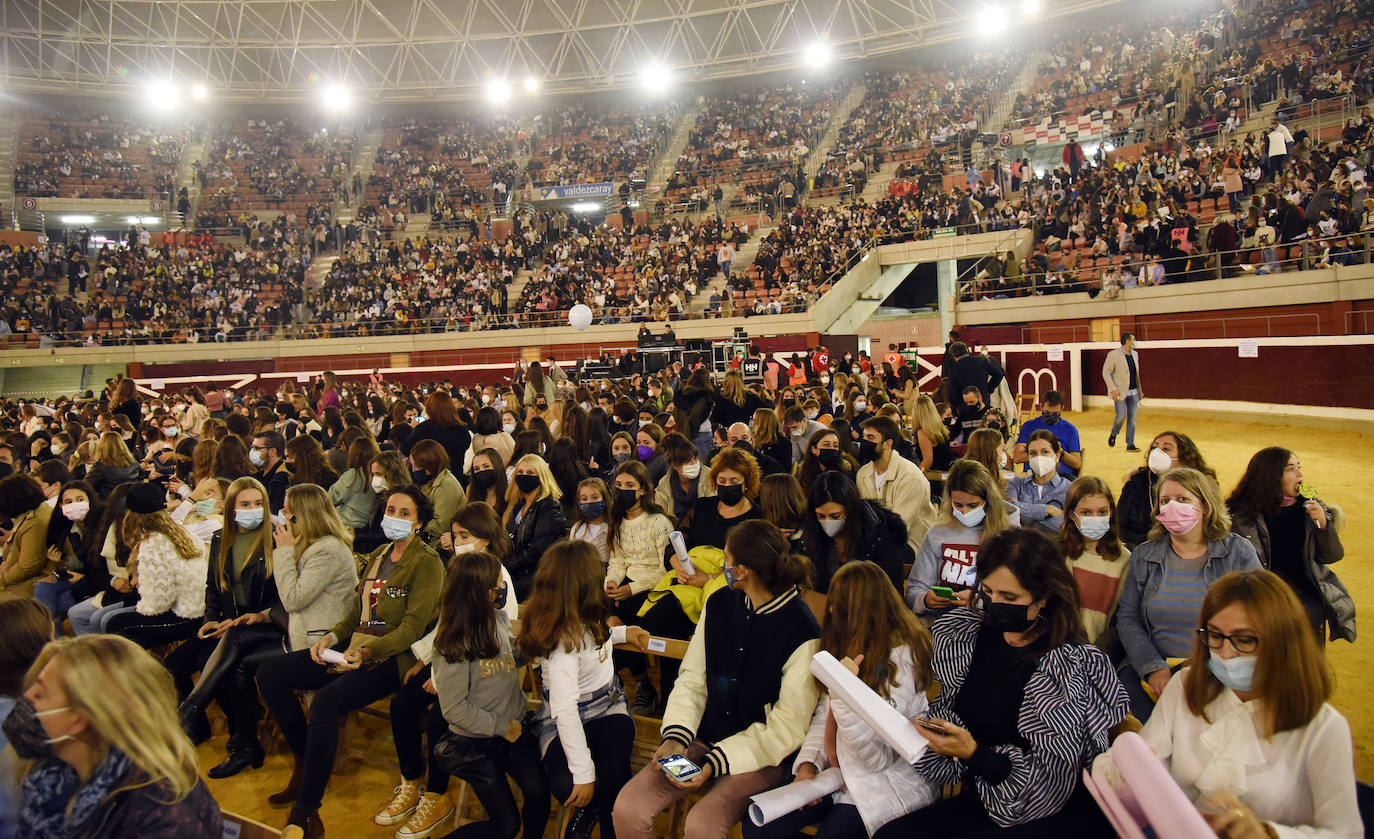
(57, 596)
(87, 618)
(1126, 408)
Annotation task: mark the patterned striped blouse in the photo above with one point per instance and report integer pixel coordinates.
(1071, 703)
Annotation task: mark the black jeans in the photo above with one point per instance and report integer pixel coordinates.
(665, 619)
(519, 760)
(336, 694)
(227, 666)
(964, 818)
(610, 739)
(835, 821)
(414, 714)
(150, 631)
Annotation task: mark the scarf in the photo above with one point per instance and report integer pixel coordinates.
(49, 787)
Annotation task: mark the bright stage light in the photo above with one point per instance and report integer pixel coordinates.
(585, 207)
(818, 55)
(498, 91)
(77, 219)
(162, 95)
(1030, 8)
(655, 77)
(531, 84)
(199, 92)
(994, 20)
(336, 98)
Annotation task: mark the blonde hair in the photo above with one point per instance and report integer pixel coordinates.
(926, 417)
(111, 450)
(131, 704)
(974, 478)
(231, 529)
(766, 429)
(139, 526)
(314, 517)
(548, 487)
(733, 387)
(1216, 523)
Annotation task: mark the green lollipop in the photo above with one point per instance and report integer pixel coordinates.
(1307, 489)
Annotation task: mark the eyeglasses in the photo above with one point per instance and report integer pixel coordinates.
(1243, 644)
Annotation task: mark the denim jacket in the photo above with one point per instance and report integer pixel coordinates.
(1146, 572)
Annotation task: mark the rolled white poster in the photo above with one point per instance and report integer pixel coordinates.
(783, 800)
(680, 548)
(885, 720)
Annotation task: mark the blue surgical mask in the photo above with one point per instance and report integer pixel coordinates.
(972, 518)
(730, 578)
(248, 519)
(205, 507)
(1236, 673)
(396, 529)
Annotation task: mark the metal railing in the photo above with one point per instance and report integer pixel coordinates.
(1173, 329)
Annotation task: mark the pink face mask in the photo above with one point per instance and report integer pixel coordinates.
(1178, 517)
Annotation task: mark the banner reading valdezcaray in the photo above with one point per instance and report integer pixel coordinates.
(547, 193)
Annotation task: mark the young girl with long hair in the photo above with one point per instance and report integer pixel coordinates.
(1093, 550)
(590, 521)
(873, 633)
(636, 538)
(477, 680)
(585, 730)
(168, 570)
(972, 510)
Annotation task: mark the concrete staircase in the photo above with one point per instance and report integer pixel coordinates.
(10, 124)
(667, 161)
(417, 225)
(186, 176)
(364, 154)
(999, 112)
(744, 257)
(816, 159)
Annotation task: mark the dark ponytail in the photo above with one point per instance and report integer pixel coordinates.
(760, 546)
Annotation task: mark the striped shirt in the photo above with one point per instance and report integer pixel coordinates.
(1099, 588)
(1069, 706)
(1172, 612)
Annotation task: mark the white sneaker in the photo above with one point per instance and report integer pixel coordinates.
(434, 810)
(402, 804)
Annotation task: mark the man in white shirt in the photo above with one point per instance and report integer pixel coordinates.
(1279, 141)
(892, 480)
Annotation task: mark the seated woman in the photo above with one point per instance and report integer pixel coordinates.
(1296, 537)
(824, 453)
(1136, 505)
(74, 540)
(1039, 496)
(429, 469)
(168, 570)
(744, 697)
(636, 538)
(971, 512)
(25, 552)
(842, 528)
(1190, 547)
(1095, 555)
(685, 481)
(871, 631)
(1247, 728)
(98, 727)
(488, 482)
(533, 518)
(1024, 703)
(107, 578)
(395, 603)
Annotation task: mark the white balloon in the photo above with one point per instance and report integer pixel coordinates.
(580, 317)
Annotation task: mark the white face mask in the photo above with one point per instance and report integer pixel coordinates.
(1094, 527)
(1002, 459)
(860, 405)
(379, 484)
(1042, 464)
(57, 448)
(76, 510)
(1159, 461)
(832, 527)
(464, 549)
(691, 470)
(508, 427)
(486, 399)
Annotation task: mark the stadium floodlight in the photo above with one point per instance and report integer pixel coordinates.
(993, 21)
(498, 91)
(531, 84)
(336, 97)
(199, 92)
(1030, 8)
(655, 77)
(585, 207)
(77, 219)
(817, 55)
(162, 95)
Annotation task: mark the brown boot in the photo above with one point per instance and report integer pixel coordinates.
(287, 797)
(307, 822)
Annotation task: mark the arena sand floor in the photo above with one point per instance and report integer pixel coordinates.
(1332, 460)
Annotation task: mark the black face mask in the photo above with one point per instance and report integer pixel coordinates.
(484, 479)
(501, 594)
(730, 495)
(868, 451)
(1049, 418)
(25, 731)
(743, 445)
(527, 483)
(625, 498)
(419, 476)
(1006, 617)
(829, 458)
